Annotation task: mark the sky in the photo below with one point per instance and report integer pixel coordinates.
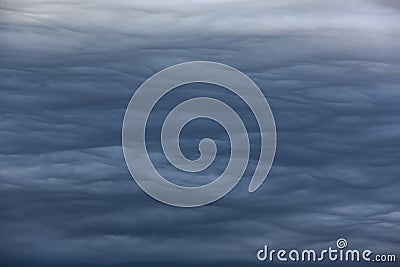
(329, 69)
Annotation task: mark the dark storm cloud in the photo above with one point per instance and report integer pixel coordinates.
(329, 70)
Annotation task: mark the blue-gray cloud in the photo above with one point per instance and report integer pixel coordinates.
(68, 69)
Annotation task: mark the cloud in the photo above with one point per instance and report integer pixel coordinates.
(329, 70)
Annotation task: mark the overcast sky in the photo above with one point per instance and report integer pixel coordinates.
(329, 69)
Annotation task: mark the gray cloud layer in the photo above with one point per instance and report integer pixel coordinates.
(331, 74)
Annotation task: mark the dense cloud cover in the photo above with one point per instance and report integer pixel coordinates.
(331, 73)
